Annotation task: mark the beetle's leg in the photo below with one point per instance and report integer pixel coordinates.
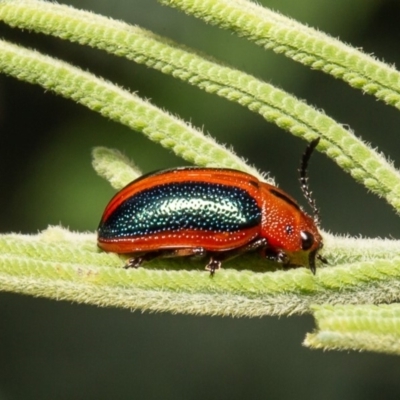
(256, 244)
(322, 259)
(215, 263)
(137, 261)
(217, 258)
(275, 255)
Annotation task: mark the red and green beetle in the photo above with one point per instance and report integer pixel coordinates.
(212, 212)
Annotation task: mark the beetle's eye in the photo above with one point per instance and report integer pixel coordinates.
(307, 240)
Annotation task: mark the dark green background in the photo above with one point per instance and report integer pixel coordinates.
(58, 350)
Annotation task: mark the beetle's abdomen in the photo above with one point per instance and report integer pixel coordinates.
(183, 206)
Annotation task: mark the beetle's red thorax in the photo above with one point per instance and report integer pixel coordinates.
(283, 220)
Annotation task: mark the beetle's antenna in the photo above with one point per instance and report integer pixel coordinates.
(304, 179)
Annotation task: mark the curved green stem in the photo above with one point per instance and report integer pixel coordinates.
(301, 43)
(360, 327)
(60, 264)
(275, 105)
(117, 104)
(114, 166)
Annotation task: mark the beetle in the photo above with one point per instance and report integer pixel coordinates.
(214, 212)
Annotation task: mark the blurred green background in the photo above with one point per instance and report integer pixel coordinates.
(60, 350)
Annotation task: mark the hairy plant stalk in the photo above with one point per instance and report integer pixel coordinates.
(357, 327)
(59, 264)
(355, 157)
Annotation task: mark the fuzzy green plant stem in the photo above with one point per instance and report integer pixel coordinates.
(306, 45)
(62, 265)
(357, 327)
(117, 104)
(59, 264)
(114, 166)
(355, 157)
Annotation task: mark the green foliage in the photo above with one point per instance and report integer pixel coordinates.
(362, 327)
(60, 264)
